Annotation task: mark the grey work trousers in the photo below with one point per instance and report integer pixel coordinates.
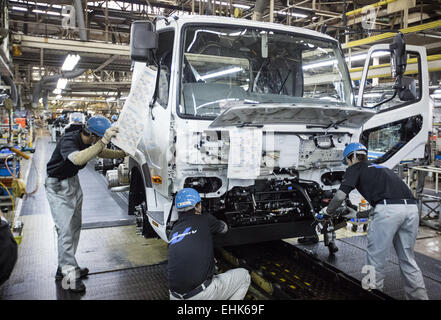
(397, 225)
(65, 200)
(230, 285)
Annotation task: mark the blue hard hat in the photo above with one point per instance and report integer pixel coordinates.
(114, 117)
(76, 119)
(187, 198)
(352, 147)
(98, 125)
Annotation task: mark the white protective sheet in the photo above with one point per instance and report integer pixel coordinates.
(136, 108)
(245, 153)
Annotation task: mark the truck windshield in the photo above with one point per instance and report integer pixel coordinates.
(223, 66)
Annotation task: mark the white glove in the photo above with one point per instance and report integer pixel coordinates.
(109, 134)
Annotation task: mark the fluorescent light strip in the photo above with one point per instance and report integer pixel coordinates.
(221, 73)
(240, 6)
(52, 13)
(19, 9)
(61, 83)
(319, 64)
(364, 55)
(70, 62)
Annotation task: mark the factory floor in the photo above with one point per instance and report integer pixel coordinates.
(122, 264)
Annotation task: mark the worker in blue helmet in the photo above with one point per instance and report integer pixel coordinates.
(394, 217)
(191, 264)
(64, 193)
(114, 118)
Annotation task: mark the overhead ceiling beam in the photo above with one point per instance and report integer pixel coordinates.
(72, 45)
(388, 35)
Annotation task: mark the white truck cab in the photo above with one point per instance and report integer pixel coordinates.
(255, 116)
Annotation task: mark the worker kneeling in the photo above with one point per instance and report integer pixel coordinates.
(191, 269)
(64, 192)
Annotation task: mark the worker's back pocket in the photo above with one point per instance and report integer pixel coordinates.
(53, 184)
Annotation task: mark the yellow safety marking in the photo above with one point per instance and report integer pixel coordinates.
(388, 75)
(292, 287)
(286, 270)
(263, 267)
(262, 283)
(296, 277)
(277, 264)
(273, 273)
(374, 5)
(307, 284)
(387, 35)
(409, 61)
(230, 258)
(283, 280)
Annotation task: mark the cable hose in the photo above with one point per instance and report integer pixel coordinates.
(27, 194)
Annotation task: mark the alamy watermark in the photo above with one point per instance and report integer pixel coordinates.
(370, 280)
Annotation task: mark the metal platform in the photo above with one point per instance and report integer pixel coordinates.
(142, 283)
(122, 264)
(351, 257)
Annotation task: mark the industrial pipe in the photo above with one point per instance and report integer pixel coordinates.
(80, 19)
(259, 9)
(50, 81)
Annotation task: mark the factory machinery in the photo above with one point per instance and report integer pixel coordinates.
(280, 270)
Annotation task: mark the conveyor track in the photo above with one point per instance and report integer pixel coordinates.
(282, 271)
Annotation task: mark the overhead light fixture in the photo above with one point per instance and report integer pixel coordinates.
(221, 73)
(61, 84)
(364, 55)
(19, 8)
(319, 64)
(240, 6)
(70, 62)
(52, 13)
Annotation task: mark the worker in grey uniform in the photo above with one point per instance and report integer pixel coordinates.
(394, 221)
(64, 192)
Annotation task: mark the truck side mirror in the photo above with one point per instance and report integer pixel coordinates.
(143, 42)
(398, 59)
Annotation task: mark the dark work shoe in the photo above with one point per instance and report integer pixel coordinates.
(332, 248)
(308, 240)
(59, 275)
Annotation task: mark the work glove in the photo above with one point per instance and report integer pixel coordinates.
(353, 214)
(322, 215)
(109, 134)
